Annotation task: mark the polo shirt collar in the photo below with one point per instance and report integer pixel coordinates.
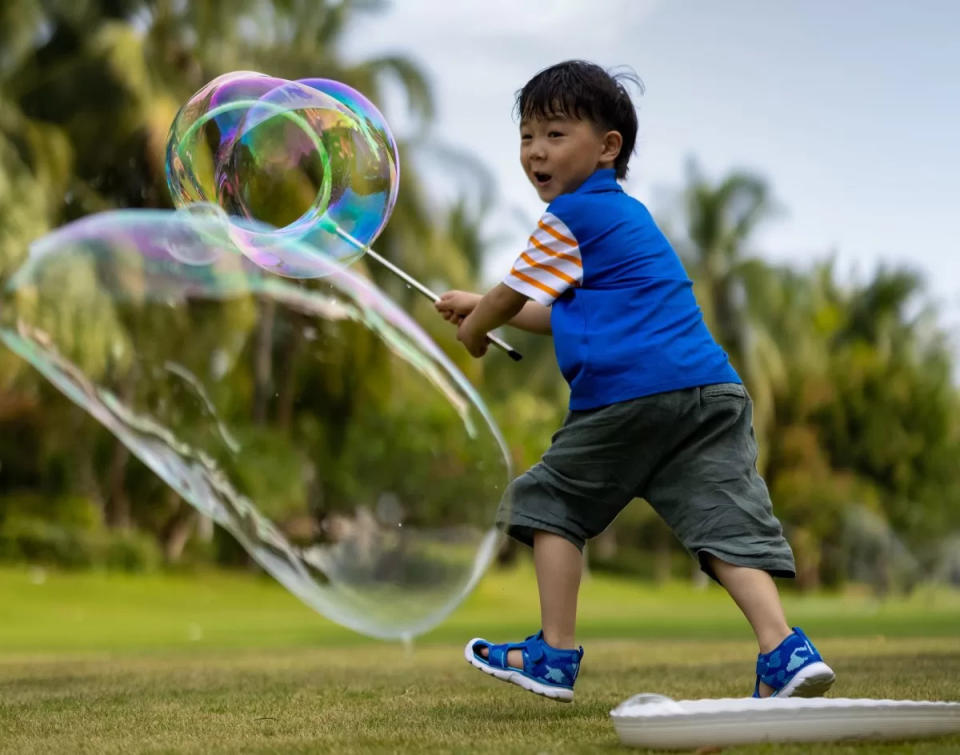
(604, 179)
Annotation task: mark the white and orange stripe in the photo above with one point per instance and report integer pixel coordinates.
(549, 265)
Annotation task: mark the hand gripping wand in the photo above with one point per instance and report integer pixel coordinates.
(495, 340)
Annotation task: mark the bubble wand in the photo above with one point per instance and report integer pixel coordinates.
(413, 282)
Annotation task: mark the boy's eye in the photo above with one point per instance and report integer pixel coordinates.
(526, 137)
(553, 134)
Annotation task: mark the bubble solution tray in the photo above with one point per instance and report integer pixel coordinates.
(659, 722)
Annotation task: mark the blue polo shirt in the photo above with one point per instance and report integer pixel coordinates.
(625, 321)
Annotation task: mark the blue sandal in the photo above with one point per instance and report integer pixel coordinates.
(794, 669)
(547, 670)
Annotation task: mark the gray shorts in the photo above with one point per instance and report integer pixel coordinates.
(690, 453)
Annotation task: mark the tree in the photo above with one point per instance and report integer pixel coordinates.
(87, 94)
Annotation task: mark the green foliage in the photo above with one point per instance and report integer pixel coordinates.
(68, 532)
(867, 414)
(71, 511)
(857, 410)
(38, 542)
(87, 93)
(277, 479)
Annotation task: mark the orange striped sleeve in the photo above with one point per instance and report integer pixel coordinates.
(547, 250)
(535, 283)
(548, 268)
(550, 265)
(556, 234)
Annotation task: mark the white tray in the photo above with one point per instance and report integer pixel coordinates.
(658, 722)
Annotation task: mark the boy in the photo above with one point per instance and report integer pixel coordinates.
(656, 409)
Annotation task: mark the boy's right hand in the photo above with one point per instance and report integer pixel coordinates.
(453, 306)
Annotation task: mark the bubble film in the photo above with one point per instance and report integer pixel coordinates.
(312, 160)
(375, 126)
(321, 427)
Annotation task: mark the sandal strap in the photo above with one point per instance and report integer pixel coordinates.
(532, 650)
(558, 666)
(497, 654)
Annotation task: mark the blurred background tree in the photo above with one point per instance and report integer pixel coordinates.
(87, 94)
(857, 412)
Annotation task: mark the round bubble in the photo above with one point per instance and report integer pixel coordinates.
(313, 160)
(202, 130)
(321, 427)
(375, 126)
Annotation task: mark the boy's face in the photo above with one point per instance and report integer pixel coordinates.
(559, 153)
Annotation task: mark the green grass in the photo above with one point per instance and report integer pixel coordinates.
(220, 663)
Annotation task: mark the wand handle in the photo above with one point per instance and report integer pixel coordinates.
(515, 355)
(496, 341)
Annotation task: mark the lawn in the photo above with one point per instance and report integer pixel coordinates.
(223, 663)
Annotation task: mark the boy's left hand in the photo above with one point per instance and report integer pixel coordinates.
(453, 306)
(475, 342)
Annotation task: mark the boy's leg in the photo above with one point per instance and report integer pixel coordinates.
(559, 565)
(569, 496)
(755, 592)
(710, 493)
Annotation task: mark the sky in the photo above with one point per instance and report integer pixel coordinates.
(850, 110)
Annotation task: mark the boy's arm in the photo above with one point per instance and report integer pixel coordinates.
(500, 305)
(549, 265)
(534, 318)
(453, 306)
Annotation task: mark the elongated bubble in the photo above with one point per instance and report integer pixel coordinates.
(321, 427)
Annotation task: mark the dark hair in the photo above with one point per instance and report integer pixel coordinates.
(583, 90)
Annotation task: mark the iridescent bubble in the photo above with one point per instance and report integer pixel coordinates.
(376, 126)
(203, 129)
(277, 167)
(200, 243)
(322, 427)
(313, 159)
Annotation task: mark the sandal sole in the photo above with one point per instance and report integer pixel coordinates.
(515, 676)
(810, 681)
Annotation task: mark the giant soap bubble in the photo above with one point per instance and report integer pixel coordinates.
(321, 427)
(310, 160)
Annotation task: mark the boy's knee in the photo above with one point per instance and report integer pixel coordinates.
(526, 532)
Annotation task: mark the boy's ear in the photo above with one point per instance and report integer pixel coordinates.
(612, 143)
